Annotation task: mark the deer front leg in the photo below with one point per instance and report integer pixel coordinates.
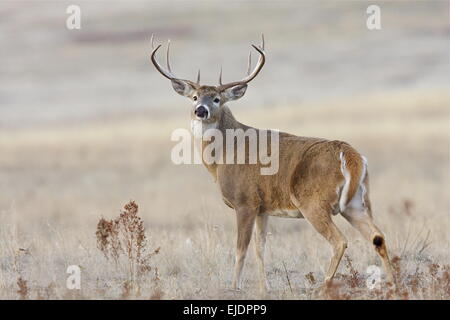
(260, 245)
(245, 220)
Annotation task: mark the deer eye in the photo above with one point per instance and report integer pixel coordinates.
(194, 98)
(216, 100)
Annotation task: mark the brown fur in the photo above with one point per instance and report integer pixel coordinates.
(354, 164)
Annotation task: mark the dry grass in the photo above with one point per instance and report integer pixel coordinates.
(57, 186)
(85, 125)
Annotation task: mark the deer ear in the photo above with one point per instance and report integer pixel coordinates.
(235, 92)
(182, 87)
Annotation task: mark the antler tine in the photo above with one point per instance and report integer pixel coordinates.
(250, 75)
(161, 70)
(167, 73)
(167, 56)
(261, 47)
(198, 77)
(254, 73)
(249, 63)
(220, 76)
(259, 65)
(151, 41)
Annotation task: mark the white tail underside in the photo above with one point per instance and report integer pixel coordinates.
(358, 199)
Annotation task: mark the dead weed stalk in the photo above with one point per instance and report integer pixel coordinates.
(124, 237)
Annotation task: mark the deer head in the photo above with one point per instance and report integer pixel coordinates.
(208, 100)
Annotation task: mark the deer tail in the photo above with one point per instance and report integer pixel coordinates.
(353, 168)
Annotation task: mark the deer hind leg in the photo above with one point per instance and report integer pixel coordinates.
(245, 221)
(358, 214)
(260, 245)
(322, 222)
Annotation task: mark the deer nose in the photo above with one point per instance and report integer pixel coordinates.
(201, 112)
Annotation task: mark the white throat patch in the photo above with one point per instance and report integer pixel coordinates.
(198, 127)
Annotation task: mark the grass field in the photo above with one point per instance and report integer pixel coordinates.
(82, 134)
(57, 184)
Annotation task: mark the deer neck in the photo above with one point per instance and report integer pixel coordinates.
(225, 120)
(228, 121)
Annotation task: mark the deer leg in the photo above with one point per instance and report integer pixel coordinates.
(322, 222)
(245, 221)
(361, 219)
(260, 245)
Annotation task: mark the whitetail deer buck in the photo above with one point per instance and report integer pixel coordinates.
(317, 178)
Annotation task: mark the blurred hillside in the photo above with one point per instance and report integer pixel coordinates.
(316, 51)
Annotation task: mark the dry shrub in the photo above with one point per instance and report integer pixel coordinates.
(440, 281)
(157, 294)
(46, 293)
(346, 286)
(432, 282)
(446, 281)
(126, 290)
(405, 208)
(408, 205)
(354, 280)
(23, 288)
(124, 237)
(336, 290)
(429, 280)
(311, 279)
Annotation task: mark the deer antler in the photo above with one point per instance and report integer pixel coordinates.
(250, 75)
(167, 73)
